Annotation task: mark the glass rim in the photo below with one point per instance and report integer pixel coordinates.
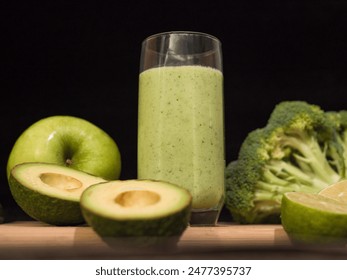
(197, 33)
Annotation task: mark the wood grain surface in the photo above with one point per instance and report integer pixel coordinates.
(36, 240)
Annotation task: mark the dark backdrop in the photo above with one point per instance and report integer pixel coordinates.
(82, 59)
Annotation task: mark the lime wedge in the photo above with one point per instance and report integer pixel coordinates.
(314, 218)
(336, 191)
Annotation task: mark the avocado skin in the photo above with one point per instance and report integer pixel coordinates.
(45, 208)
(167, 226)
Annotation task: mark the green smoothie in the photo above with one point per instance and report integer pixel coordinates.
(181, 130)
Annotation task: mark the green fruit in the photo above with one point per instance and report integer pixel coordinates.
(337, 191)
(68, 141)
(136, 208)
(314, 218)
(50, 193)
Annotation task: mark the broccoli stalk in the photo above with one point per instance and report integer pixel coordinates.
(307, 152)
(298, 150)
(340, 119)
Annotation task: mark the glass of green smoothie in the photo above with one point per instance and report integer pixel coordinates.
(181, 118)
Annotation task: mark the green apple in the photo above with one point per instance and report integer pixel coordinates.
(68, 141)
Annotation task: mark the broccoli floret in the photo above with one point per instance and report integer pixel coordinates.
(298, 150)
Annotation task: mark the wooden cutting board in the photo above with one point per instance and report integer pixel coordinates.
(36, 240)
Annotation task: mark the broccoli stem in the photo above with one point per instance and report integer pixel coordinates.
(312, 154)
(284, 173)
(342, 138)
(291, 187)
(284, 169)
(280, 177)
(262, 195)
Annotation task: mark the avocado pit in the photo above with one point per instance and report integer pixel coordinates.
(137, 198)
(61, 181)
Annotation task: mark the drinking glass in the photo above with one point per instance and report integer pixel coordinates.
(181, 118)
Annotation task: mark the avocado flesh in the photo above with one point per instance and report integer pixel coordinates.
(136, 208)
(50, 193)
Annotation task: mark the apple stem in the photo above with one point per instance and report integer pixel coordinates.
(68, 162)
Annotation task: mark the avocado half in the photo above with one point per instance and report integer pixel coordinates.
(136, 208)
(50, 193)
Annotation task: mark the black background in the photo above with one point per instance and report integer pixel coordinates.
(82, 59)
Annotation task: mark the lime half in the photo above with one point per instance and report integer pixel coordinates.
(314, 218)
(336, 191)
